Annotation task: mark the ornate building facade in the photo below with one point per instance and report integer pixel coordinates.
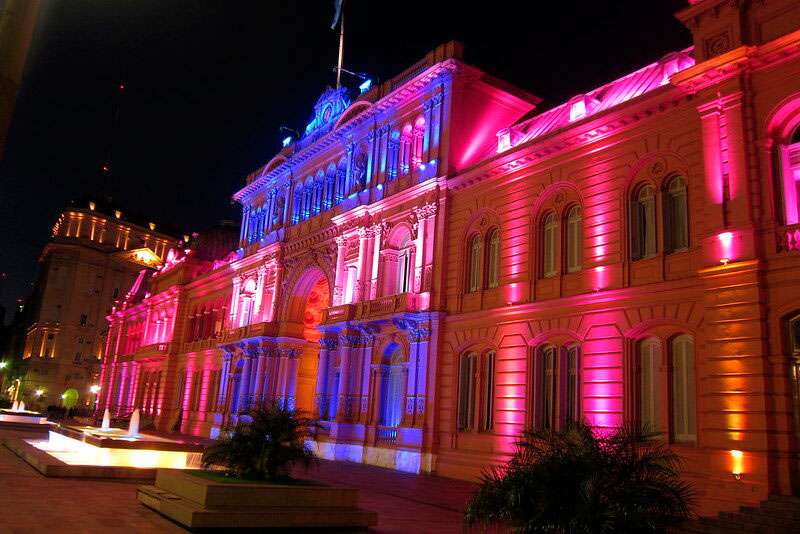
(432, 268)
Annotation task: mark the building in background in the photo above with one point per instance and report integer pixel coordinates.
(432, 268)
(94, 255)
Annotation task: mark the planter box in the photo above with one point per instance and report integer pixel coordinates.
(197, 502)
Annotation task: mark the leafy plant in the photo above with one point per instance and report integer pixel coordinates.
(264, 447)
(577, 481)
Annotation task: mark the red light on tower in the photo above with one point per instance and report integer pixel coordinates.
(106, 167)
(121, 87)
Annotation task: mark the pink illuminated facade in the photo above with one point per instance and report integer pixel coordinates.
(430, 274)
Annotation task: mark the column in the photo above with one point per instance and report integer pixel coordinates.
(224, 380)
(436, 130)
(258, 387)
(244, 382)
(361, 291)
(293, 362)
(417, 372)
(346, 343)
(261, 275)
(370, 159)
(234, 307)
(338, 288)
(288, 202)
(712, 162)
(326, 346)
(377, 236)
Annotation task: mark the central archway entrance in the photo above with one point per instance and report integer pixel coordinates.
(309, 297)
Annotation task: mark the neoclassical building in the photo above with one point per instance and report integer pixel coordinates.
(436, 266)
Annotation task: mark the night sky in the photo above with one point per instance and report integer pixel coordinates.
(209, 83)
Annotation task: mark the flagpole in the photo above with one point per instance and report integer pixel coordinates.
(341, 49)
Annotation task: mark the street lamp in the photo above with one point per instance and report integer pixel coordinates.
(39, 392)
(3, 365)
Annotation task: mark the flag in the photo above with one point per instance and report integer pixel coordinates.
(338, 6)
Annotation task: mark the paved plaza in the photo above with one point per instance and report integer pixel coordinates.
(33, 503)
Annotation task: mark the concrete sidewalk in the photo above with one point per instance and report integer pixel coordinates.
(32, 503)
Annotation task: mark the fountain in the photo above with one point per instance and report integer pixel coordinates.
(133, 427)
(106, 426)
(20, 418)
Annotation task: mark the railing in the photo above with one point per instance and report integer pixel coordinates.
(251, 330)
(154, 349)
(789, 238)
(369, 309)
(386, 435)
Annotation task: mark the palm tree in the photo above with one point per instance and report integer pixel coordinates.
(581, 481)
(264, 447)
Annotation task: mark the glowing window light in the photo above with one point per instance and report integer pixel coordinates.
(287, 141)
(365, 86)
(737, 469)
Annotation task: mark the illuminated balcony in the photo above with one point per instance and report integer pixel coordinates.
(154, 350)
(372, 309)
(249, 331)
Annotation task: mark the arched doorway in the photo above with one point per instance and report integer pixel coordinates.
(309, 297)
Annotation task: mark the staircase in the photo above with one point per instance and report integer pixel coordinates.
(778, 515)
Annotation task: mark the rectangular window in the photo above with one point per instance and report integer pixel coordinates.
(546, 389)
(466, 393)
(487, 412)
(572, 410)
(84, 319)
(649, 362)
(683, 389)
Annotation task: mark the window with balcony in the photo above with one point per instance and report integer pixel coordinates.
(392, 387)
(788, 170)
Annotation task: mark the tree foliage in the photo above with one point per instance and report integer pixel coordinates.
(577, 481)
(263, 446)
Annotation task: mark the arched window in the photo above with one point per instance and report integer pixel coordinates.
(676, 225)
(574, 239)
(341, 181)
(417, 142)
(683, 389)
(474, 264)
(649, 387)
(405, 149)
(404, 270)
(549, 230)
(493, 259)
(643, 223)
(297, 206)
(394, 154)
(487, 392)
(392, 386)
(466, 391)
(788, 169)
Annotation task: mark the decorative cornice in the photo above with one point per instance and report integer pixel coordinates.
(399, 96)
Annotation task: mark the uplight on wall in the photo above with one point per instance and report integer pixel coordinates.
(726, 245)
(737, 464)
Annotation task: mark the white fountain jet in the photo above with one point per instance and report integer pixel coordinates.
(106, 420)
(15, 406)
(133, 427)
(21, 406)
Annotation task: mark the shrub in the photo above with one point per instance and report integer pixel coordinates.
(576, 481)
(263, 447)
